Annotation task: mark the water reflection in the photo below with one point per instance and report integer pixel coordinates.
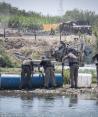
(97, 102)
(26, 103)
(26, 96)
(73, 100)
(31, 106)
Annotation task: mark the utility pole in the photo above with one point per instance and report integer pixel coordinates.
(61, 14)
(35, 34)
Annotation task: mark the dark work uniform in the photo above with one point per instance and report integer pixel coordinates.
(74, 66)
(95, 58)
(49, 72)
(26, 72)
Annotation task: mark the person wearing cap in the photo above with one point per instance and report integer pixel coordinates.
(74, 66)
(49, 72)
(27, 70)
(95, 59)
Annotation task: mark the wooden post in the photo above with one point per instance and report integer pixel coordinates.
(4, 32)
(35, 35)
(60, 35)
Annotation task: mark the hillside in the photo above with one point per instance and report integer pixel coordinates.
(16, 48)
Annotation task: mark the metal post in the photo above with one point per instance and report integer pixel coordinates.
(63, 70)
(35, 35)
(60, 35)
(4, 32)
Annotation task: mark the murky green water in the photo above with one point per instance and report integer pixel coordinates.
(60, 106)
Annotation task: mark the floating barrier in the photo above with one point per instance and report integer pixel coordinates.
(84, 80)
(9, 81)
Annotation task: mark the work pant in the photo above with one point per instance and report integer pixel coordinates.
(73, 75)
(26, 80)
(97, 74)
(49, 77)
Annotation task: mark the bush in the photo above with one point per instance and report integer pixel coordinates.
(66, 76)
(4, 58)
(5, 61)
(93, 76)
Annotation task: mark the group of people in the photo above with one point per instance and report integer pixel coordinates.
(28, 71)
(49, 70)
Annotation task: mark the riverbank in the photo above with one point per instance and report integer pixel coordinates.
(65, 90)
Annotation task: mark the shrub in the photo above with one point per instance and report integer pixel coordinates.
(4, 58)
(66, 76)
(5, 61)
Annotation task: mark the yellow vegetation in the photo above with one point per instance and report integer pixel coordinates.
(48, 27)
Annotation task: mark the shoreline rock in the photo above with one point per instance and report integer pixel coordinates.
(65, 90)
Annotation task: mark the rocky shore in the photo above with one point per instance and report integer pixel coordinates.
(65, 90)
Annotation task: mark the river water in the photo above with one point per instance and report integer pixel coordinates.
(59, 106)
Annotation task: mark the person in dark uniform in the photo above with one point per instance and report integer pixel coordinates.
(74, 66)
(95, 59)
(26, 72)
(49, 72)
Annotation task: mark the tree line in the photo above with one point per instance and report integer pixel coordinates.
(15, 18)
